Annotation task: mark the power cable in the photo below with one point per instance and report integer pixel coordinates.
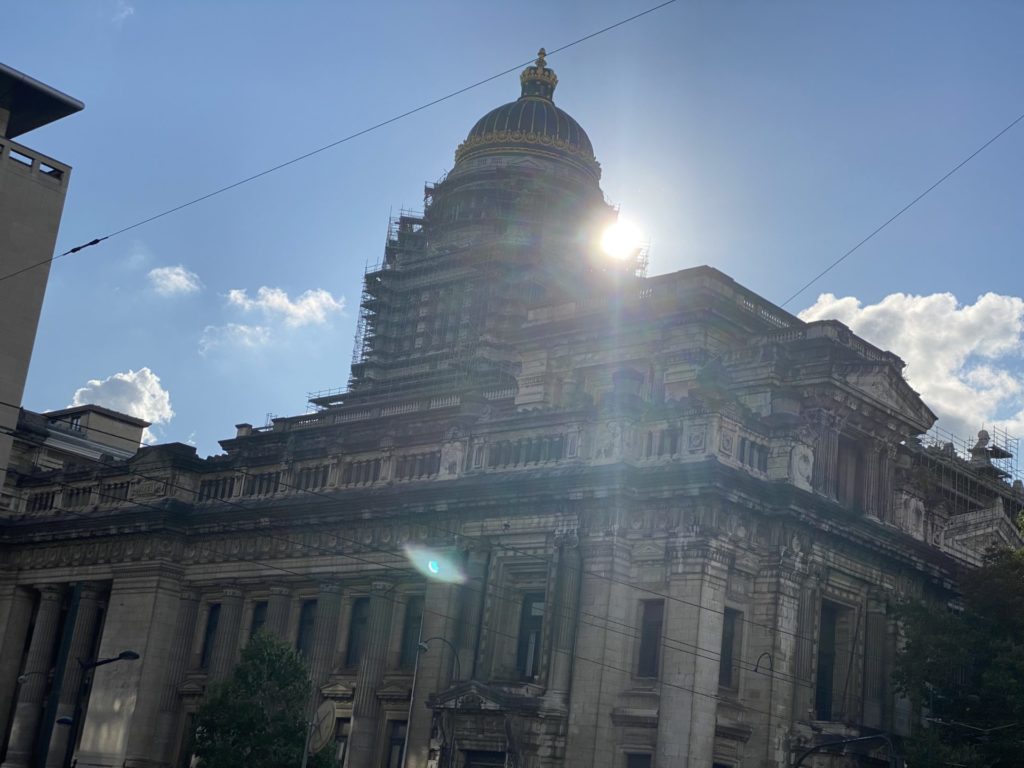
(331, 145)
(696, 651)
(447, 617)
(903, 210)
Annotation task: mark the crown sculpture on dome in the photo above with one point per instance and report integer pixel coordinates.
(538, 80)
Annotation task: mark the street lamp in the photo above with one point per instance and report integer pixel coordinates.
(841, 742)
(75, 721)
(421, 647)
(424, 646)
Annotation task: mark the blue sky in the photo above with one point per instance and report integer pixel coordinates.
(762, 138)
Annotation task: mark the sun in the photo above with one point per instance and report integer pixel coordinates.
(622, 240)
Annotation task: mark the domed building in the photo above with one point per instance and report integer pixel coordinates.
(564, 515)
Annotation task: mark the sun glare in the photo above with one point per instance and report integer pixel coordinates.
(622, 239)
(434, 565)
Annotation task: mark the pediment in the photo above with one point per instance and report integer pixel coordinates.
(338, 690)
(474, 696)
(891, 391)
(393, 692)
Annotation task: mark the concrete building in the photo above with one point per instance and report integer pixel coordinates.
(634, 521)
(78, 435)
(32, 190)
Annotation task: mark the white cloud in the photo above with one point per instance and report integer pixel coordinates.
(311, 308)
(965, 359)
(122, 10)
(136, 393)
(233, 336)
(174, 281)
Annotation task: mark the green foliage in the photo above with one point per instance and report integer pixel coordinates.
(257, 717)
(965, 671)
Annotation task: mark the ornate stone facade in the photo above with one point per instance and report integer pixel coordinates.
(682, 517)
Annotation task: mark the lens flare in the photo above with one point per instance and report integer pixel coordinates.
(622, 240)
(434, 565)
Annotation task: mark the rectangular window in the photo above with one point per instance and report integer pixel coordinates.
(835, 638)
(411, 632)
(728, 669)
(396, 743)
(357, 631)
(307, 623)
(652, 618)
(531, 622)
(850, 469)
(638, 760)
(209, 635)
(259, 617)
(341, 733)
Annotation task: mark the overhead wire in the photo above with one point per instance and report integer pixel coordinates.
(666, 639)
(693, 649)
(331, 145)
(903, 210)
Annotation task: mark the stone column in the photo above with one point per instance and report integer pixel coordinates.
(826, 452)
(686, 738)
(565, 617)
(325, 636)
(19, 615)
(440, 611)
(225, 644)
(872, 463)
(82, 638)
(121, 715)
(365, 710)
(887, 458)
(279, 607)
(803, 665)
(469, 609)
(29, 707)
(875, 641)
(169, 714)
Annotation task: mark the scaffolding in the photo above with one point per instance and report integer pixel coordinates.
(973, 475)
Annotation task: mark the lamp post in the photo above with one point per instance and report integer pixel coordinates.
(841, 742)
(424, 646)
(75, 721)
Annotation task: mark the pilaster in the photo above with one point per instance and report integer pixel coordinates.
(365, 709)
(82, 637)
(225, 644)
(19, 601)
(29, 706)
(170, 701)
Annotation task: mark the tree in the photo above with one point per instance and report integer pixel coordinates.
(964, 670)
(257, 717)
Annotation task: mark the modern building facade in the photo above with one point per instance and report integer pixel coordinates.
(32, 190)
(563, 515)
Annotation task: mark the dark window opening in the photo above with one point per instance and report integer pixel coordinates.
(307, 624)
(259, 617)
(209, 636)
(850, 469)
(357, 631)
(834, 657)
(411, 632)
(531, 622)
(341, 734)
(638, 760)
(728, 669)
(396, 743)
(651, 621)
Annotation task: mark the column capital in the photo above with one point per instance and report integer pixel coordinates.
(232, 593)
(382, 585)
(50, 591)
(330, 588)
(281, 591)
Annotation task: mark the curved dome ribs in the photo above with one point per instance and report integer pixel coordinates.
(532, 125)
